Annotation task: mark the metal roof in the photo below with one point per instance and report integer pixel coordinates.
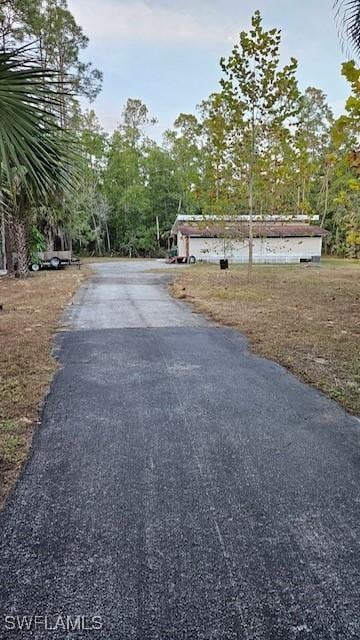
(260, 230)
(190, 220)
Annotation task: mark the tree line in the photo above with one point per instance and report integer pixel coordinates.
(257, 146)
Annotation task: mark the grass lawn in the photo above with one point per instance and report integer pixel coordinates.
(30, 313)
(305, 317)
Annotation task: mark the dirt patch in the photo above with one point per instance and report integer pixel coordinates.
(29, 314)
(304, 317)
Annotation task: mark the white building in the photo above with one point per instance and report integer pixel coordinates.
(276, 239)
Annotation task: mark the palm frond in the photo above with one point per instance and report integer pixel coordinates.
(31, 140)
(348, 15)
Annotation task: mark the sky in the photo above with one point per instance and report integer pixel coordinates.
(167, 52)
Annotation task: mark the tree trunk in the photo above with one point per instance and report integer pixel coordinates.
(251, 236)
(251, 195)
(326, 201)
(21, 245)
(108, 237)
(62, 239)
(303, 192)
(217, 186)
(50, 237)
(9, 244)
(2, 249)
(97, 239)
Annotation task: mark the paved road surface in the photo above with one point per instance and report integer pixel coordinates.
(180, 487)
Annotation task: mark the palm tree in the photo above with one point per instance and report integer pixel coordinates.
(348, 12)
(35, 154)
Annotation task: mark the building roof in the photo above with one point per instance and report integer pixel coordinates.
(260, 230)
(182, 219)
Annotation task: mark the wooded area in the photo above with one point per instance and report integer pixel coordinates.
(257, 145)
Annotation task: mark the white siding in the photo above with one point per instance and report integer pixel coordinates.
(265, 249)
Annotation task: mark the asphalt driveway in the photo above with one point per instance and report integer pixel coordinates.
(180, 488)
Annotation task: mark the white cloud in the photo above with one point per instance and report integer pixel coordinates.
(148, 22)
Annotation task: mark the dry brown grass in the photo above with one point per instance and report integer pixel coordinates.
(96, 259)
(305, 317)
(30, 314)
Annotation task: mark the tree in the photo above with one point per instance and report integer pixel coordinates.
(15, 17)
(345, 190)
(57, 42)
(349, 18)
(216, 126)
(135, 119)
(263, 95)
(184, 146)
(35, 156)
(141, 183)
(162, 185)
(312, 143)
(124, 185)
(87, 222)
